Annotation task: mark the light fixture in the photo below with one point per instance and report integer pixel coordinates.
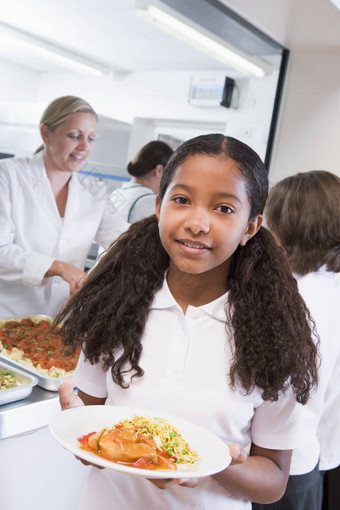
(18, 39)
(172, 24)
(336, 3)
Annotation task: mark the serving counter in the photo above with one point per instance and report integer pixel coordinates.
(36, 472)
(28, 414)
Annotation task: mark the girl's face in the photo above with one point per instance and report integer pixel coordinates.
(204, 215)
(71, 143)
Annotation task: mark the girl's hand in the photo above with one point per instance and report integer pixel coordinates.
(238, 454)
(71, 274)
(167, 483)
(67, 397)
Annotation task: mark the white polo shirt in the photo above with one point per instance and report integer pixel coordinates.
(186, 359)
(321, 293)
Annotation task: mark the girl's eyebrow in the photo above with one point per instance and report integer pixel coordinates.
(219, 195)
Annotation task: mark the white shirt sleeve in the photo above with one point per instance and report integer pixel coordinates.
(91, 379)
(279, 425)
(17, 265)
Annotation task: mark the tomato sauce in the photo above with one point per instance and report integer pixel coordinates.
(39, 346)
(164, 461)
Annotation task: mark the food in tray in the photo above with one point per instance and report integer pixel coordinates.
(141, 442)
(8, 380)
(28, 342)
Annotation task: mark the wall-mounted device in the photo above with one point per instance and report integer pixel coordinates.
(227, 93)
(206, 89)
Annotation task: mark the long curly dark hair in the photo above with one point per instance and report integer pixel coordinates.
(272, 342)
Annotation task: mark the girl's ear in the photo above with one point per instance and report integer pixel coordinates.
(45, 134)
(252, 227)
(158, 206)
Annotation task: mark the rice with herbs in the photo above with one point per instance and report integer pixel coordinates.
(166, 437)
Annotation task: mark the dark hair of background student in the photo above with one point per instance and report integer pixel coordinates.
(148, 157)
(309, 235)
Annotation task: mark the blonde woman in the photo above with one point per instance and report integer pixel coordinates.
(50, 215)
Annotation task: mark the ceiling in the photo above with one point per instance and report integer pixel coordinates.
(108, 31)
(307, 25)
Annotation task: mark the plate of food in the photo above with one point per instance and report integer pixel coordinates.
(140, 442)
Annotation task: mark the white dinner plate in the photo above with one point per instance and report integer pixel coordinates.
(68, 425)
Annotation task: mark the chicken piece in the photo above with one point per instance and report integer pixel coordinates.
(121, 445)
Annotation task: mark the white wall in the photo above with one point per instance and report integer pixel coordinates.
(19, 87)
(308, 135)
(307, 132)
(125, 97)
(18, 83)
(164, 95)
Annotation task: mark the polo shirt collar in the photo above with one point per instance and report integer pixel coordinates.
(165, 300)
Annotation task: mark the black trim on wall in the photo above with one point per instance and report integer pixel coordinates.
(276, 107)
(242, 34)
(244, 23)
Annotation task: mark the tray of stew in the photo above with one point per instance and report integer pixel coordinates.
(14, 384)
(27, 343)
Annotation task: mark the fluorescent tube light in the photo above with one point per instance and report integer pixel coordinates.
(11, 36)
(195, 38)
(336, 3)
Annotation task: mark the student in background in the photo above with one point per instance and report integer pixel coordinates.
(194, 312)
(49, 215)
(135, 200)
(303, 214)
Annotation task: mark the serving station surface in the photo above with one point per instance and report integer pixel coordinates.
(28, 414)
(32, 455)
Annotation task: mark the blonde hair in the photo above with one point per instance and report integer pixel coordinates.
(60, 110)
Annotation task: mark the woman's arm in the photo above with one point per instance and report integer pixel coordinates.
(24, 264)
(261, 478)
(71, 274)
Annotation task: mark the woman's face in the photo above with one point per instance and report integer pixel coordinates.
(70, 144)
(204, 215)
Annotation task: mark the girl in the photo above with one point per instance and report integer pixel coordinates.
(195, 312)
(303, 214)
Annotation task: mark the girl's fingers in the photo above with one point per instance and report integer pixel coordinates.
(238, 454)
(67, 397)
(168, 482)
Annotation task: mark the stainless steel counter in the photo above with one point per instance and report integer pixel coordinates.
(28, 414)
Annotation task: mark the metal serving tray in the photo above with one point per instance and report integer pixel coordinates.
(46, 382)
(26, 381)
(34, 318)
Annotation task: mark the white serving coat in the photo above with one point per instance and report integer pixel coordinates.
(33, 235)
